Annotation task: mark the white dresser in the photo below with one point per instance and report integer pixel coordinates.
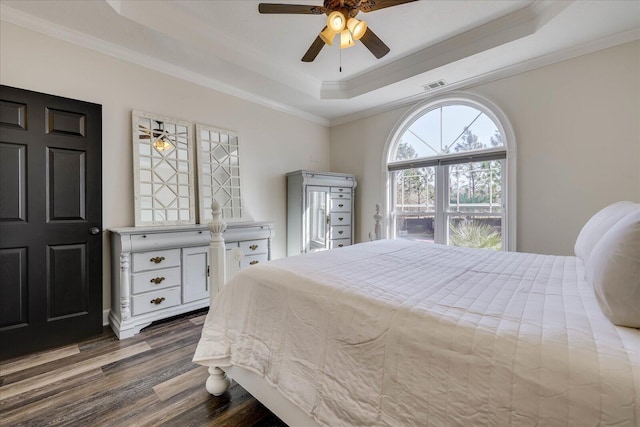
(159, 272)
(319, 211)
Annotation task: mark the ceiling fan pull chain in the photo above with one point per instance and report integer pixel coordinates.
(340, 50)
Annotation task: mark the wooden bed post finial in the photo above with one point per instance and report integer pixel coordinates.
(377, 233)
(217, 253)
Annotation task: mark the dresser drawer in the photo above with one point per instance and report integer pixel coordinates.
(340, 232)
(155, 280)
(340, 190)
(146, 303)
(340, 205)
(251, 247)
(340, 218)
(340, 196)
(153, 260)
(339, 243)
(249, 260)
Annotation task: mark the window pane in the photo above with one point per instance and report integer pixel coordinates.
(447, 130)
(476, 187)
(472, 231)
(414, 196)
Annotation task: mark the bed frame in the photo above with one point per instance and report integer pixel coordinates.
(219, 380)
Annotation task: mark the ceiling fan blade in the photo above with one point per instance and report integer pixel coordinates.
(371, 5)
(303, 9)
(374, 44)
(314, 50)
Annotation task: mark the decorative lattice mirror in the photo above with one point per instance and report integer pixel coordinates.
(218, 172)
(163, 170)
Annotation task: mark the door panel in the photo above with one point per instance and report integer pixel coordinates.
(50, 198)
(13, 292)
(13, 180)
(67, 288)
(66, 186)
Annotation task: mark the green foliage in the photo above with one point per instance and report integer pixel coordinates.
(471, 234)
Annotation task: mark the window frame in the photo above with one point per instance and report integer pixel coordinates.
(508, 178)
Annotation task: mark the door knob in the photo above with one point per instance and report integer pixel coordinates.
(94, 230)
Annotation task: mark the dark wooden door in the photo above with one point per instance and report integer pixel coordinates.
(50, 221)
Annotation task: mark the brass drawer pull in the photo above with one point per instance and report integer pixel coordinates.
(340, 245)
(157, 280)
(341, 231)
(340, 219)
(253, 247)
(157, 259)
(340, 205)
(254, 262)
(157, 301)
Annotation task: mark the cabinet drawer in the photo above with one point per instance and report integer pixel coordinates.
(340, 232)
(339, 243)
(340, 190)
(249, 260)
(144, 303)
(153, 260)
(155, 280)
(340, 218)
(251, 247)
(340, 196)
(340, 205)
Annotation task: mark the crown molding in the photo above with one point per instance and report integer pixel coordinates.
(512, 70)
(13, 16)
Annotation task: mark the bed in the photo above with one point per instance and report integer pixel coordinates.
(399, 333)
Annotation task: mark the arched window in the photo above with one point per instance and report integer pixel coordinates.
(451, 174)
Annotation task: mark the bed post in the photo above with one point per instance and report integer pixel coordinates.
(376, 234)
(217, 252)
(218, 382)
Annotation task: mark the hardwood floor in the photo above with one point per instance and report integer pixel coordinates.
(147, 380)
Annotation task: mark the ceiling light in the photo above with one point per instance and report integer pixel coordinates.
(346, 39)
(357, 28)
(327, 36)
(336, 21)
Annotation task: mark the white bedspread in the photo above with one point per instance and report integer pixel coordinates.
(396, 333)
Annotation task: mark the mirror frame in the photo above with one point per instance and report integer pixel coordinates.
(210, 161)
(182, 158)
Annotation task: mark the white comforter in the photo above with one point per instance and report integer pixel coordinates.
(396, 333)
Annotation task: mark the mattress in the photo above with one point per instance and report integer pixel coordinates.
(398, 333)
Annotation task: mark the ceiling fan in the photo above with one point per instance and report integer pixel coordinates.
(340, 20)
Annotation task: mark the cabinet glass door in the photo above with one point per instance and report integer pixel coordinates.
(317, 218)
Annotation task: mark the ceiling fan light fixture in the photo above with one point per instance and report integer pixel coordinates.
(346, 39)
(327, 36)
(357, 28)
(336, 21)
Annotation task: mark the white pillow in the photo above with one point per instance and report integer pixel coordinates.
(614, 271)
(598, 225)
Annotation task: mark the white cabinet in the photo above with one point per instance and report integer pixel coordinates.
(159, 272)
(319, 211)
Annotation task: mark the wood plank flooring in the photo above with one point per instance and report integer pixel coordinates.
(147, 380)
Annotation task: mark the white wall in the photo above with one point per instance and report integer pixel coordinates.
(578, 145)
(33, 61)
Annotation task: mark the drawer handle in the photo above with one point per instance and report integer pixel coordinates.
(339, 232)
(340, 189)
(340, 205)
(254, 262)
(340, 219)
(340, 195)
(340, 245)
(157, 259)
(157, 301)
(157, 280)
(253, 247)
